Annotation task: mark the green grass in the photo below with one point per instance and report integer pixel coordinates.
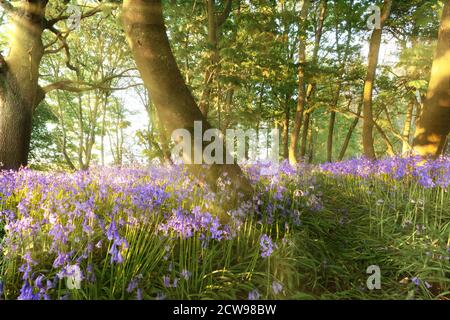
(362, 222)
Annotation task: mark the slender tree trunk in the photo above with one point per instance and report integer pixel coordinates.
(257, 137)
(390, 148)
(330, 136)
(147, 37)
(228, 105)
(64, 134)
(305, 131)
(375, 43)
(311, 142)
(433, 126)
(350, 133)
(293, 147)
(285, 134)
(446, 146)
(19, 90)
(214, 24)
(80, 119)
(406, 147)
(312, 85)
(211, 68)
(344, 60)
(103, 132)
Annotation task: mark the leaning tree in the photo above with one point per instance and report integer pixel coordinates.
(145, 28)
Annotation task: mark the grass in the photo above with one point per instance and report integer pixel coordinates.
(327, 230)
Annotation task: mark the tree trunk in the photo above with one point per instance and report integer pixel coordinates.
(375, 43)
(164, 137)
(227, 109)
(293, 147)
(390, 148)
(340, 82)
(103, 131)
(147, 37)
(211, 68)
(433, 126)
(446, 147)
(350, 133)
(406, 147)
(311, 142)
(285, 134)
(330, 136)
(305, 134)
(19, 90)
(312, 85)
(214, 24)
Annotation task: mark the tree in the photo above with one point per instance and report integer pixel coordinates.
(374, 50)
(310, 90)
(293, 147)
(343, 61)
(19, 90)
(215, 22)
(146, 32)
(433, 126)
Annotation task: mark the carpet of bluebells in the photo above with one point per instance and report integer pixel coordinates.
(308, 232)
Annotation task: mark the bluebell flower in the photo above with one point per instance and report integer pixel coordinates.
(277, 287)
(186, 274)
(139, 295)
(26, 293)
(39, 282)
(254, 295)
(266, 246)
(166, 281)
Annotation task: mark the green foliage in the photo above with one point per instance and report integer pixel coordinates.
(43, 149)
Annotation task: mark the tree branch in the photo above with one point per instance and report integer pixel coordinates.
(8, 7)
(225, 14)
(64, 45)
(50, 23)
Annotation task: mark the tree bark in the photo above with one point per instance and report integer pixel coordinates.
(406, 147)
(350, 133)
(390, 148)
(344, 60)
(312, 85)
(433, 126)
(146, 33)
(311, 142)
(330, 136)
(375, 43)
(293, 147)
(285, 133)
(306, 121)
(215, 22)
(19, 90)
